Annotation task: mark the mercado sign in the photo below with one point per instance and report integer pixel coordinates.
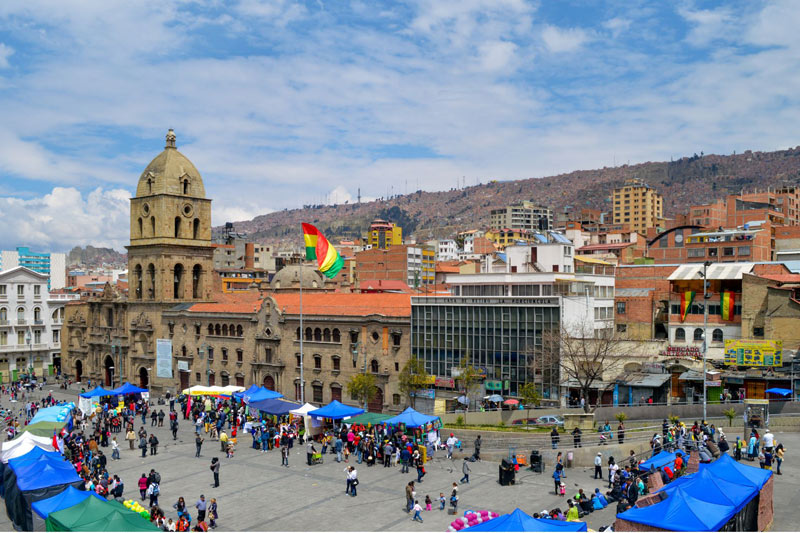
(445, 382)
(753, 352)
(691, 352)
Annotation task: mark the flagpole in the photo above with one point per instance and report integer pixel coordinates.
(302, 334)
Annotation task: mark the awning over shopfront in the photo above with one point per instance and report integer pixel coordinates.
(717, 271)
(640, 379)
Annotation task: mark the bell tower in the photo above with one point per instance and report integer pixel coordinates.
(170, 256)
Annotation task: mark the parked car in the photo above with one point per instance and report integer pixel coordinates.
(550, 420)
(524, 422)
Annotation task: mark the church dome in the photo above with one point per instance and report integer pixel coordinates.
(171, 173)
(288, 278)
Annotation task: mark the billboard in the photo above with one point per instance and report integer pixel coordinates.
(164, 358)
(753, 352)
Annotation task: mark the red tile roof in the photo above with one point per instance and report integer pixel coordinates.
(236, 303)
(782, 278)
(452, 269)
(384, 285)
(344, 304)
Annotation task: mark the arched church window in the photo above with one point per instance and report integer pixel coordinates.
(177, 227)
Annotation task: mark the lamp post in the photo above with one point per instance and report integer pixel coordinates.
(111, 369)
(706, 297)
(28, 341)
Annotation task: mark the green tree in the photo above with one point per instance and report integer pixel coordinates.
(621, 417)
(730, 414)
(362, 386)
(467, 377)
(413, 378)
(529, 396)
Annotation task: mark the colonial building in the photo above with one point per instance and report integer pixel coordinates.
(220, 338)
(30, 324)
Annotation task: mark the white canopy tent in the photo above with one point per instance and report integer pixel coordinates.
(213, 390)
(24, 437)
(23, 449)
(313, 427)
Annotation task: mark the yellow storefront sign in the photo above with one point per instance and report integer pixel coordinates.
(753, 352)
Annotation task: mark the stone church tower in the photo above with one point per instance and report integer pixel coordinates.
(170, 257)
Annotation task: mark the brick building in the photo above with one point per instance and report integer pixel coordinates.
(413, 265)
(637, 204)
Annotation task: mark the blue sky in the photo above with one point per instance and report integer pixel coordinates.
(281, 103)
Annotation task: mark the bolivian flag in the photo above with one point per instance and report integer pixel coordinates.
(686, 303)
(726, 305)
(329, 262)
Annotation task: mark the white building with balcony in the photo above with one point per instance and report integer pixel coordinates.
(30, 324)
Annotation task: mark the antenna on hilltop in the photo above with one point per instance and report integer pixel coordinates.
(359, 195)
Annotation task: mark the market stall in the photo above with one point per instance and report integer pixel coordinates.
(274, 406)
(517, 520)
(87, 399)
(335, 411)
(19, 456)
(313, 427)
(213, 390)
(93, 514)
(28, 482)
(412, 419)
(70, 497)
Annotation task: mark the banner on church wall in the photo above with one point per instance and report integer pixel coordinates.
(164, 358)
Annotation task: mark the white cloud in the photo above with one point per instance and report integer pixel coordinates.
(496, 55)
(617, 25)
(65, 218)
(227, 211)
(5, 52)
(564, 39)
(339, 195)
(708, 25)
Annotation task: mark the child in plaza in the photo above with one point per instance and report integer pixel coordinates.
(212, 514)
(442, 501)
(417, 511)
(428, 502)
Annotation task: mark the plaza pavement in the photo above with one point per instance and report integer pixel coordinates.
(257, 493)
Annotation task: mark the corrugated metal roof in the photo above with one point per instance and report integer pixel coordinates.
(716, 271)
(634, 292)
(639, 379)
(590, 259)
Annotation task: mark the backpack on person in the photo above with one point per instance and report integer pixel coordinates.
(156, 489)
(157, 477)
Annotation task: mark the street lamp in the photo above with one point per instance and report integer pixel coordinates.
(706, 297)
(28, 339)
(111, 369)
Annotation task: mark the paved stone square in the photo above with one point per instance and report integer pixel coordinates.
(257, 493)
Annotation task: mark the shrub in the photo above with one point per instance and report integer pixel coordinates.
(460, 420)
(621, 417)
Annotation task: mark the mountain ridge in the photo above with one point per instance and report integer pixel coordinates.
(431, 214)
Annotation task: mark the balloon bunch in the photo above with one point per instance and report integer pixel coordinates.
(136, 507)
(470, 519)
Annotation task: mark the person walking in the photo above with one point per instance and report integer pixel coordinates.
(466, 470)
(417, 512)
(143, 486)
(153, 440)
(285, 455)
(215, 470)
(598, 466)
(478, 448)
(557, 480)
(130, 436)
(388, 451)
(621, 432)
(114, 449)
(554, 438)
(143, 446)
(310, 451)
(201, 506)
(153, 490)
(223, 441)
(213, 514)
(779, 451)
(353, 481)
(451, 442)
(405, 459)
(417, 458)
(198, 443)
(410, 494)
(173, 426)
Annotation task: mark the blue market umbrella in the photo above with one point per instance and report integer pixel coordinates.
(463, 399)
(782, 392)
(495, 398)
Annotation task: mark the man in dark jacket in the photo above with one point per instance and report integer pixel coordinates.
(478, 448)
(153, 444)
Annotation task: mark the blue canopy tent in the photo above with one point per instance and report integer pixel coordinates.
(782, 392)
(259, 395)
(17, 462)
(727, 468)
(38, 480)
(662, 459)
(707, 487)
(274, 406)
(56, 413)
(96, 392)
(71, 496)
(127, 388)
(335, 411)
(517, 520)
(250, 390)
(411, 418)
(681, 512)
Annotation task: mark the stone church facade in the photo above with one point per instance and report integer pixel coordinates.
(238, 339)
